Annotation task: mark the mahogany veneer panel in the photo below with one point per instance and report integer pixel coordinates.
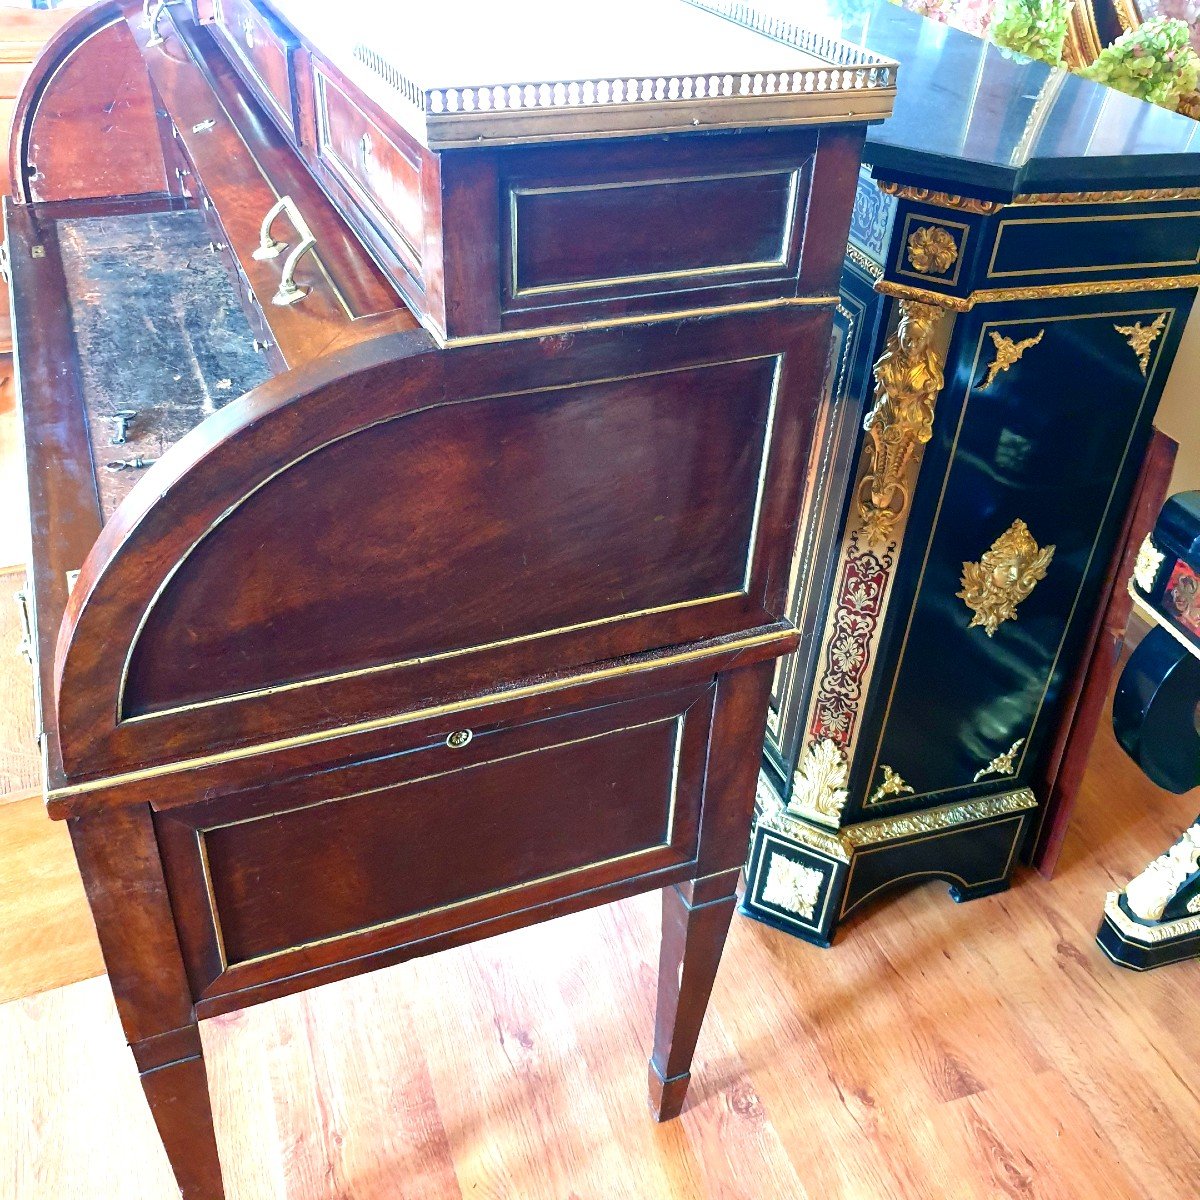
(519, 515)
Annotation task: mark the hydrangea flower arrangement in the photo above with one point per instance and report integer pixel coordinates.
(1035, 28)
(1154, 62)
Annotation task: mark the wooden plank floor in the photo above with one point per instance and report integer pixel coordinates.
(981, 1051)
(14, 508)
(46, 934)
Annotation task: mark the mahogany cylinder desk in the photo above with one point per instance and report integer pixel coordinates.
(1024, 254)
(415, 404)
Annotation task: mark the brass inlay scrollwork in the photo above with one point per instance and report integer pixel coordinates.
(1002, 764)
(868, 264)
(1007, 353)
(1141, 338)
(893, 785)
(908, 378)
(931, 250)
(1004, 576)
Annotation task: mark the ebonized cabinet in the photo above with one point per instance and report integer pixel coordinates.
(1024, 253)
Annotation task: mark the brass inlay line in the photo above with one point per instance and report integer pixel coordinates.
(654, 318)
(763, 464)
(396, 721)
(1089, 220)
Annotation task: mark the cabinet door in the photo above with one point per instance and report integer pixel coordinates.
(1037, 441)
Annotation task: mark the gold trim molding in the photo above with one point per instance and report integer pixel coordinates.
(1008, 352)
(932, 820)
(1006, 573)
(1049, 291)
(841, 845)
(773, 815)
(1130, 196)
(1149, 935)
(970, 204)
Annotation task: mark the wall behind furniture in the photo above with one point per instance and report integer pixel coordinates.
(1179, 412)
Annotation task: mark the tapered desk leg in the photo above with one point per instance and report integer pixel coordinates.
(177, 1092)
(122, 873)
(693, 936)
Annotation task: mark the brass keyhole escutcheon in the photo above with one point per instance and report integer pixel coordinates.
(459, 738)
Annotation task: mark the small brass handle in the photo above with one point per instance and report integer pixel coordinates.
(268, 247)
(25, 645)
(364, 145)
(459, 738)
(248, 32)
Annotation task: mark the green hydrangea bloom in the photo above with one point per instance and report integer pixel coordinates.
(1154, 62)
(1035, 28)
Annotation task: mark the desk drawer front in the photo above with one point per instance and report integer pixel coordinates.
(261, 49)
(643, 234)
(381, 176)
(434, 837)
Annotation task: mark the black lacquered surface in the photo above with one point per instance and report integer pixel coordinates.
(970, 114)
(161, 336)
